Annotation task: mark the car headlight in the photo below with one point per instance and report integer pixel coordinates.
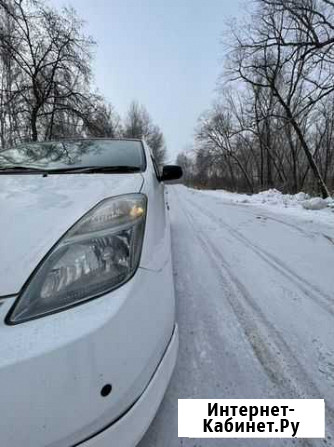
(99, 253)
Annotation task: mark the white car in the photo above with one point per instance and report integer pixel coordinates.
(88, 333)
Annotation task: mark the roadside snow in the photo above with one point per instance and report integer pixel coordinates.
(300, 205)
(317, 203)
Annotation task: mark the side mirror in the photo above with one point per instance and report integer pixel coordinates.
(171, 172)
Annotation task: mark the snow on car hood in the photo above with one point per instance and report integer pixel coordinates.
(36, 211)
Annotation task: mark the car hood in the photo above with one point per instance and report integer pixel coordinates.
(35, 211)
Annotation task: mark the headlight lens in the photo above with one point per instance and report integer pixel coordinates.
(99, 253)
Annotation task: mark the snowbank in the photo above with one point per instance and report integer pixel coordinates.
(301, 204)
(314, 204)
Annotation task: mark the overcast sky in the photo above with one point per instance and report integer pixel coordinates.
(164, 53)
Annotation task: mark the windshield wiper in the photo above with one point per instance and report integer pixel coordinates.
(95, 170)
(14, 169)
(74, 170)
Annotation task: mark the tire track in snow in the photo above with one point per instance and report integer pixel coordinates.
(259, 343)
(321, 298)
(274, 354)
(262, 213)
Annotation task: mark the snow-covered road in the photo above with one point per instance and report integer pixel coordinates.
(255, 307)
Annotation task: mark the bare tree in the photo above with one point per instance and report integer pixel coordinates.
(219, 136)
(101, 120)
(286, 51)
(52, 58)
(138, 124)
(45, 81)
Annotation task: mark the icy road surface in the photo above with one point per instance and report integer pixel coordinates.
(255, 307)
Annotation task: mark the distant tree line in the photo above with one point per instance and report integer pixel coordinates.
(273, 122)
(46, 81)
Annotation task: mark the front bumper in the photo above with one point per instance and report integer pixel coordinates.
(130, 428)
(52, 370)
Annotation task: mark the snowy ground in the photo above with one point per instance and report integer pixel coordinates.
(255, 306)
(293, 205)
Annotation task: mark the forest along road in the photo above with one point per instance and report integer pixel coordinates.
(255, 308)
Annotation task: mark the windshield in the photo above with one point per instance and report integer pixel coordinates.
(48, 156)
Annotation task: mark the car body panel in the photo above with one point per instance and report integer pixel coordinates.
(156, 248)
(39, 210)
(143, 411)
(52, 369)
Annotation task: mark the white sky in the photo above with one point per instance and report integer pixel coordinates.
(166, 54)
